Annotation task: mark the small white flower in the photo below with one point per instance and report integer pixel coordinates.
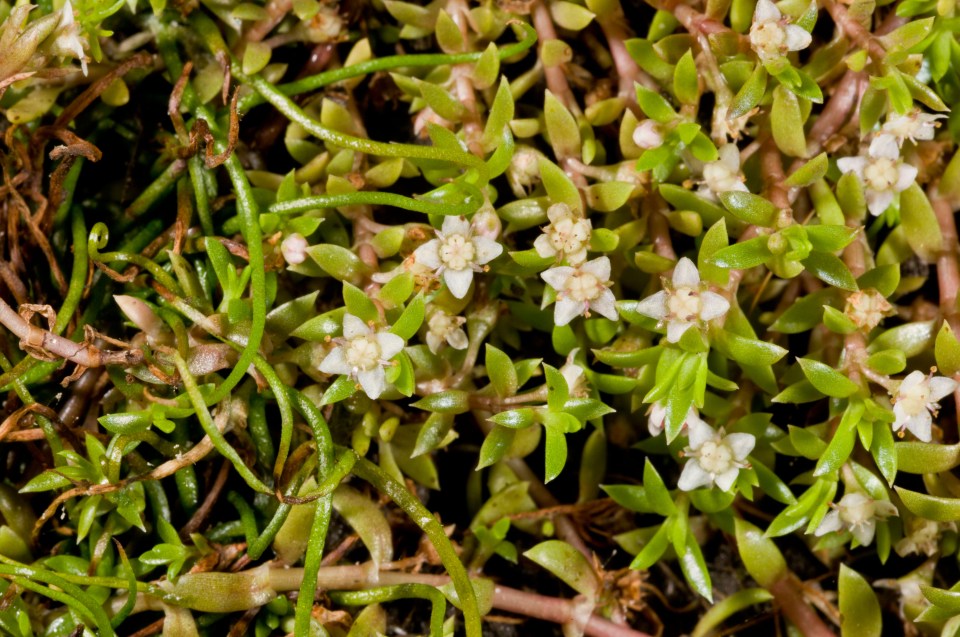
(772, 36)
(573, 373)
(922, 536)
(524, 170)
(882, 172)
(858, 514)
(567, 236)
(294, 249)
(581, 289)
(685, 303)
(362, 354)
(722, 175)
(443, 328)
(68, 41)
(915, 402)
(648, 134)
(715, 458)
(657, 419)
(457, 253)
(867, 308)
(914, 126)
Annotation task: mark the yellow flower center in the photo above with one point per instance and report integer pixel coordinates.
(684, 304)
(716, 457)
(363, 353)
(583, 286)
(457, 252)
(768, 38)
(881, 174)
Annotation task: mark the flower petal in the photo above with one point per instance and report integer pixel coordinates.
(566, 310)
(712, 306)
(685, 274)
(428, 254)
(373, 381)
(730, 154)
(797, 38)
(921, 426)
(911, 380)
(905, 178)
(558, 211)
(693, 476)
(941, 387)
(605, 305)
(655, 420)
(458, 339)
(354, 326)
(884, 146)
(864, 531)
(544, 247)
(829, 524)
(699, 432)
(455, 225)
(599, 267)
(335, 363)
(878, 202)
(654, 306)
(434, 342)
(676, 329)
(390, 344)
(852, 165)
(557, 277)
(487, 249)
(726, 479)
(766, 11)
(741, 445)
(458, 281)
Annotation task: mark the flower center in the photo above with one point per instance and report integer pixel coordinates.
(567, 235)
(457, 252)
(914, 400)
(583, 286)
(363, 353)
(768, 38)
(715, 457)
(857, 513)
(881, 174)
(442, 324)
(684, 303)
(719, 177)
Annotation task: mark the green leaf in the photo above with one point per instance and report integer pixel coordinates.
(557, 391)
(655, 106)
(830, 238)
(359, 304)
(810, 172)
(713, 241)
(495, 446)
(502, 373)
(686, 80)
(859, 608)
(441, 101)
(655, 546)
(695, 569)
(562, 128)
(657, 493)
(926, 457)
(501, 112)
(747, 350)
(340, 389)
(838, 322)
(759, 554)
(559, 187)
(947, 350)
(742, 255)
(830, 269)
(411, 319)
(451, 401)
(787, 123)
(608, 196)
(568, 564)
(841, 444)
(887, 361)
(920, 223)
(930, 507)
(750, 93)
(751, 208)
(826, 379)
(555, 452)
(515, 418)
(336, 261)
(727, 607)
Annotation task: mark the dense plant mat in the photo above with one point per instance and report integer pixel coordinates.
(486, 318)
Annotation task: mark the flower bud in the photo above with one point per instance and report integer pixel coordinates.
(294, 249)
(648, 134)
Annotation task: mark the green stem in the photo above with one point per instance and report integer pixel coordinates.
(153, 193)
(438, 602)
(293, 206)
(200, 194)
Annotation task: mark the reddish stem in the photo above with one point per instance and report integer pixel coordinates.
(788, 593)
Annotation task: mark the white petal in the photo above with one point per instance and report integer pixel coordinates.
(829, 524)
(577, 257)
(884, 146)
(428, 254)
(558, 211)
(864, 532)
(390, 344)
(712, 306)
(730, 154)
(906, 177)
(434, 342)
(599, 267)
(455, 225)
(921, 426)
(605, 305)
(911, 380)
(878, 202)
(693, 476)
(797, 38)
(458, 281)
(373, 381)
(852, 165)
(739, 186)
(900, 417)
(457, 339)
(699, 432)
(487, 249)
(886, 509)
(685, 274)
(566, 310)
(335, 363)
(654, 306)
(544, 247)
(766, 11)
(941, 387)
(726, 479)
(354, 327)
(557, 277)
(655, 421)
(741, 445)
(676, 329)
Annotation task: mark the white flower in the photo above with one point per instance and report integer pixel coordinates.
(685, 303)
(914, 126)
(657, 419)
(882, 172)
(772, 36)
(524, 170)
(867, 308)
(573, 373)
(456, 254)
(362, 354)
(294, 249)
(567, 236)
(715, 458)
(581, 289)
(445, 328)
(915, 401)
(858, 514)
(722, 175)
(68, 41)
(648, 134)
(922, 536)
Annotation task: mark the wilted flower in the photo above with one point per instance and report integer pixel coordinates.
(858, 514)
(524, 170)
(648, 134)
(68, 41)
(915, 125)
(657, 419)
(581, 289)
(882, 172)
(362, 354)
(445, 328)
(922, 536)
(457, 253)
(772, 36)
(867, 308)
(685, 303)
(567, 236)
(915, 401)
(722, 175)
(715, 458)
(294, 248)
